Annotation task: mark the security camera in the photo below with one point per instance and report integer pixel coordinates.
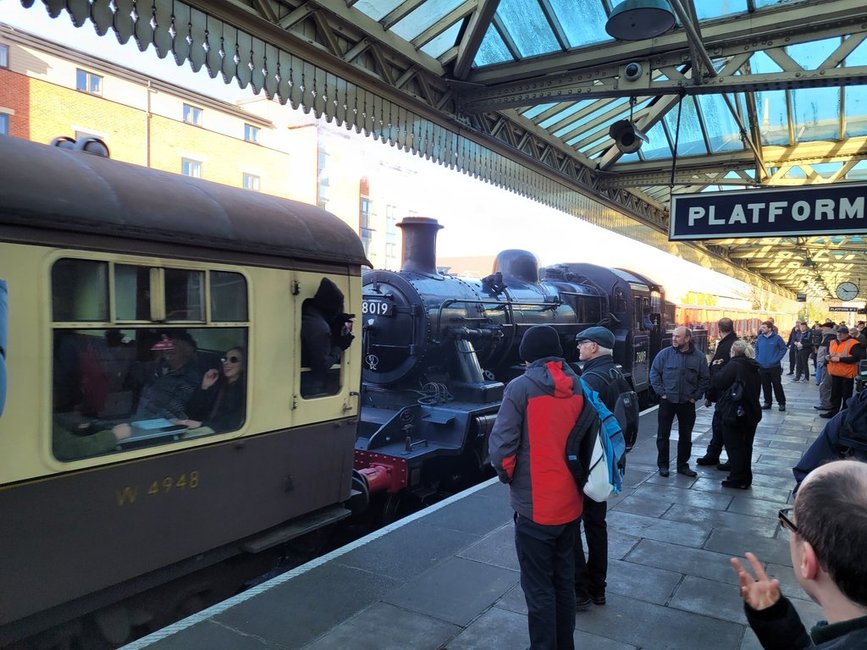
(627, 137)
(632, 71)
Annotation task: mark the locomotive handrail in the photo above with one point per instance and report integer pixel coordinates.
(505, 304)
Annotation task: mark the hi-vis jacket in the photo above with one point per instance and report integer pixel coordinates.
(528, 442)
(850, 352)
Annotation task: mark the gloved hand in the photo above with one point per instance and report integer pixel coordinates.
(344, 340)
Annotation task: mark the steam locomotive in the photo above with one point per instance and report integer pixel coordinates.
(438, 349)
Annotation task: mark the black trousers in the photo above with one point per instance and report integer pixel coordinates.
(715, 446)
(685, 413)
(590, 574)
(739, 444)
(547, 560)
(803, 364)
(771, 379)
(841, 390)
(793, 359)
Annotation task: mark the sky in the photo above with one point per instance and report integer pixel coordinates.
(478, 218)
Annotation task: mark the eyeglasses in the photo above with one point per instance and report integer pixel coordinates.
(785, 522)
(580, 343)
(231, 359)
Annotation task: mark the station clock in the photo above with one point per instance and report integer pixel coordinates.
(847, 291)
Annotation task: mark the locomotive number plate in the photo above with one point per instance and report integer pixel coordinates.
(377, 308)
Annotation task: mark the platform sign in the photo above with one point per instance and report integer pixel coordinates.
(832, 209)
(852, 309)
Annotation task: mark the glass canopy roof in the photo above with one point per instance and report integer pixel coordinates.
(751, 133)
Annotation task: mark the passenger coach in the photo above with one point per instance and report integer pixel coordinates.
(109, 272)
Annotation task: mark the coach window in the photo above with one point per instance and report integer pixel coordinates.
(184, 295)
(141, 376)
(228, 297)
(79, 291)
(132, 292)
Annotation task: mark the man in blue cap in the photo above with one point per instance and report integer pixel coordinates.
(595, 349)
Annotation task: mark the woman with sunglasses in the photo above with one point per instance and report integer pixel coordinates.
(220, 401)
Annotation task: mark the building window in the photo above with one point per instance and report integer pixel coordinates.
(251, 133)
(191, 167)
(192, 115)
(251, 182)
(364, 224)
(87, 82)
(4, 56)
(4, 124)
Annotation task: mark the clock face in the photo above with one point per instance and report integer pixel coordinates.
(847, 291)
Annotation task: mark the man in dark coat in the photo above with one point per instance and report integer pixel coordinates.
(679, 375)
(325, 333)
(827, 531)
(739, 418)
(845, 436)
(595, 349)
(536, 416)
(720, 358)
(794, 336)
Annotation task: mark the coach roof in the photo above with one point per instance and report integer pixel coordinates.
(52, 188)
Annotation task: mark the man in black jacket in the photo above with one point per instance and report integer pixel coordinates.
(720, 359)
(827, 533)
(595, 349)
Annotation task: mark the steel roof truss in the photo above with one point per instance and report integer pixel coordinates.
(473, 37)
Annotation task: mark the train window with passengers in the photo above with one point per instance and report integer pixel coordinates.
(144, 356)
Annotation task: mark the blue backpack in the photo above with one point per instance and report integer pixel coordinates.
(596, 449)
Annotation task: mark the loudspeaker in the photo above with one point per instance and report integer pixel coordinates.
(627, 137)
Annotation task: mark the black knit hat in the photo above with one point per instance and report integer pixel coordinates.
(540, 341)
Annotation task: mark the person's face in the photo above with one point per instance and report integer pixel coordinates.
(764, 329)
(179, 355)
(586, 350)
(233, 365)
(679, 338)
(803, 327)
(842, 336)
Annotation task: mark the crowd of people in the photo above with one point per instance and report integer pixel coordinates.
(827, 524)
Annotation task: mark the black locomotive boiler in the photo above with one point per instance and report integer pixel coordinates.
(438, 349)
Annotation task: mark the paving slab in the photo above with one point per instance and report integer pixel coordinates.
(287, 616)
(658, 529)
(654, 627)
(455, 591)
(386, 627)
(685, 561)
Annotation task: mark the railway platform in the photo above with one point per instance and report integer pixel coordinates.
(447, 577)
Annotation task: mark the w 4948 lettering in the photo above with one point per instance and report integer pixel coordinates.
(128, 494)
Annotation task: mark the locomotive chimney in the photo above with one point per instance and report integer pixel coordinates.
(517, 264)
(419, 245)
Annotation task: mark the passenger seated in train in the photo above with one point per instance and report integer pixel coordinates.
(220, 402)
(326, 331)
(174, 379)
(75, 437)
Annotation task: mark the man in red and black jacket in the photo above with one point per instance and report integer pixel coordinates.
(528, 449)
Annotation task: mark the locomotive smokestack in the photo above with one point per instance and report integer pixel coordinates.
(419, 245)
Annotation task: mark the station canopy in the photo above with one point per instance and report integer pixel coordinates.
(738, 94)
